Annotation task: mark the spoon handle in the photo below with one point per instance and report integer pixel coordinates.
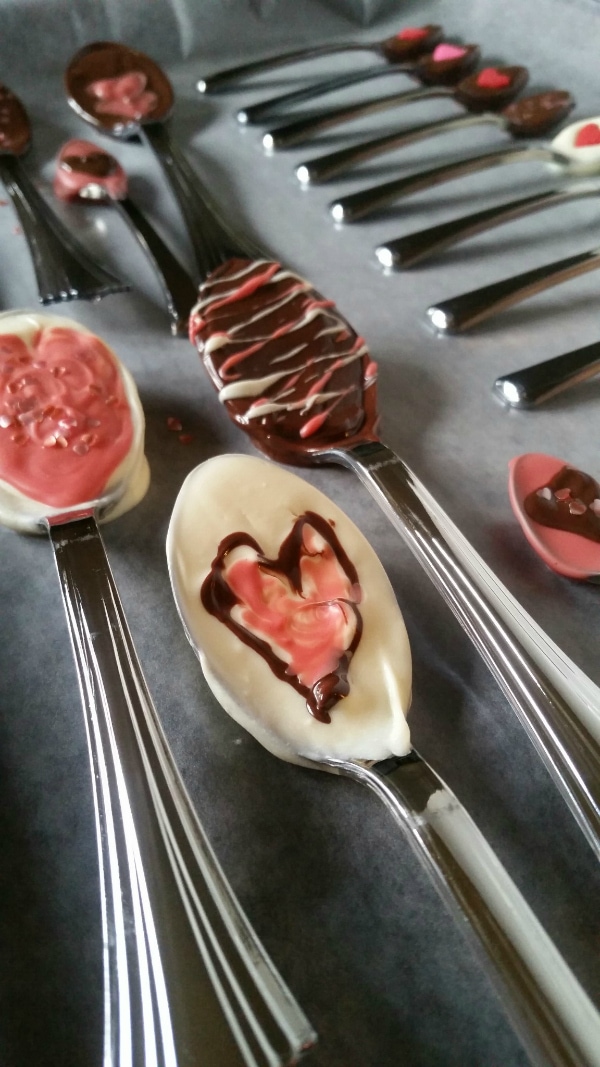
(461, 312)
(266, 110)
(302, 129)
(405, 251)
(224, 79)
(550, 1012)
(366, 201)
(525, 388)
(63, 269)
(186, 980)
(179, 290)
(566, 733)
(212, 239)
(325, 167)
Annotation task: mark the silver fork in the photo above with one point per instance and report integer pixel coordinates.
(186, 980)
(469, 309)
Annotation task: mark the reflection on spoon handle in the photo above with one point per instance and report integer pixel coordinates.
(212, 239)
(549, 1010)
(63, 269)
(560, 732)
(325, 167)
(185, 979)
(414, 247)
(525, 388)
(276, 105)
(302, 129)
(461, 312)
(180, 291)
(223, 79)
(357, 205)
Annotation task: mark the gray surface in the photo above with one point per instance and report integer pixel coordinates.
(329, 884)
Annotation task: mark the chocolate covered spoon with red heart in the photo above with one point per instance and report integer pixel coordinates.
(296, 377)
(446, 65)
(409, 42)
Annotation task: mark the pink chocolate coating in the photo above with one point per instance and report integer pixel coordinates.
(81, 163)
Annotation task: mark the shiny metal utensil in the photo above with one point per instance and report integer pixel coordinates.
(405, 44)
(425, 69)
(469, 309)
(403, 252)
(63, 269)
(564, 155)
(548, 1009)
(186, 981)
(515, 120)
(531, 386)
(273, 392)
(86, 174)
(125, 94)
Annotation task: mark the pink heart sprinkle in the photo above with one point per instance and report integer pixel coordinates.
(587, 135)
(491, 78)
(412, 33)
(444, 52)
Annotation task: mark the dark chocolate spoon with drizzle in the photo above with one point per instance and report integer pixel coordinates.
(485, 108)
(63, 269)
(86, 173)
(125, 94)
(446, 65)
(408, 43)
(297, 378)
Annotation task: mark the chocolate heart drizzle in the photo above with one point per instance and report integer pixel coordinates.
(219, 600)
(570, 501)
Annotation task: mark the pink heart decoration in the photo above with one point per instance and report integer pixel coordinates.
(298, 611)
(587, 135)
(125, 96)
(567, 553)
(443, 52)
(492, 78)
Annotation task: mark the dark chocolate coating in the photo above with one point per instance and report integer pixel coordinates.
(109, 59)
(15, 129)
(478, 98)
(397, 49)
(448, 71)
(538, 114)
(572, 492)
(97, 164)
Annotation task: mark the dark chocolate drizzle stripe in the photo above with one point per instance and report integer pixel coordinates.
(570, 502)
(219, 600)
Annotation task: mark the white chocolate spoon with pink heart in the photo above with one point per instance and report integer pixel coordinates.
(257, 556)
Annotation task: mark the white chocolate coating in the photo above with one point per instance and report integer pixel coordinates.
(230, 494)
(22, 513)
(586, 158)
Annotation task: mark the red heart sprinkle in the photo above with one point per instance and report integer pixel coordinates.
(412, 33)
(492, 78)
(587, 135)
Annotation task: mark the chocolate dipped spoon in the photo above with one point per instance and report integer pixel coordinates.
(186, 981)
(409, 42)
(446, 65)
(294, 375)
(270, 576)
(63, 269)
(321, 169)
(86, 173)
(558, 509)
(574, 152)
(125, 94)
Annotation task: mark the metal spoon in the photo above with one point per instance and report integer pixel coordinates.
(185, 978)
(547, 1007)
(460, 313)
(564, 153)
(439, 68)
(87, 173)
(125, 94)
(531, 386)
(409, 42)
(509, 120)
(63, 269)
